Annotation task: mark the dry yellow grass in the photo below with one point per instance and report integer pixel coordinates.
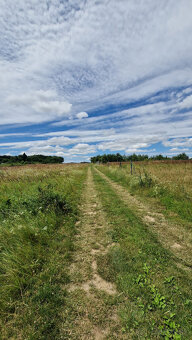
(13, 173)
(177, 176)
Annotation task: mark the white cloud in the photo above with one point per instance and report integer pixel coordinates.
(78, 152)
(81, 115)
(60, 108)
(85, 59)
(62, 140)
(45, 150)
(41, 103)
(178, 150)
(186, 103)
(19, 134)
(82, 149)
(178, 142)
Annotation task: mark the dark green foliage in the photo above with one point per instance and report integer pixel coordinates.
(181, 156)
(49, 199)
(24, 159)
(134, 158)
(145, 180)
(117, 158)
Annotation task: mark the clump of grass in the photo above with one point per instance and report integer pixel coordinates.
(142, 180)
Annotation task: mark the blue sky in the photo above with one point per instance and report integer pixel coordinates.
(86, 77)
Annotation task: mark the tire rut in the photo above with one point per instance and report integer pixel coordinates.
(171, 236)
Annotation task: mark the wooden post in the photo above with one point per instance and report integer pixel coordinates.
(131, 168)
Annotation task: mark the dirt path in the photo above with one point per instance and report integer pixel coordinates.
(92, 301)
(172, 236)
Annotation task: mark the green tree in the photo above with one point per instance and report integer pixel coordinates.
(181, 156)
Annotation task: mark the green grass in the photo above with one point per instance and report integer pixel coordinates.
(156, 292)
(38, 210)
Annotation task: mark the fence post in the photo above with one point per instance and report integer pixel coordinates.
(131, 168)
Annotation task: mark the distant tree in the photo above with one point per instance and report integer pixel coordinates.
(159, 157)
(119, 158)
(24, 156)
(181, 156)
(30, 159)
(104, 158)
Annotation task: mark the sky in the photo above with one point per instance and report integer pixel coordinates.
(87, 77)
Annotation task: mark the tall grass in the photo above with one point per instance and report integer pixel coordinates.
(38, 210)
(168, 183)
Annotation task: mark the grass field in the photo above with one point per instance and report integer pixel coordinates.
(93, 252)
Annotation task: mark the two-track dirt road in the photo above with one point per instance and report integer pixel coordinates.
(92, 302)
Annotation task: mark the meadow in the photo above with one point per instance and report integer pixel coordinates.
(95, 252)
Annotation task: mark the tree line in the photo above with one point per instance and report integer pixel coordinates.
(123, 158)
(34, 159)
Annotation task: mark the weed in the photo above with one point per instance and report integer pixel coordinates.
(169, 328)
(145, 180)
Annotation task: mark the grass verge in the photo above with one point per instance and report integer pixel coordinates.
(38, 210)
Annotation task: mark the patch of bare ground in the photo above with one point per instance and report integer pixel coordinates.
(171, 235)
(91, 302)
